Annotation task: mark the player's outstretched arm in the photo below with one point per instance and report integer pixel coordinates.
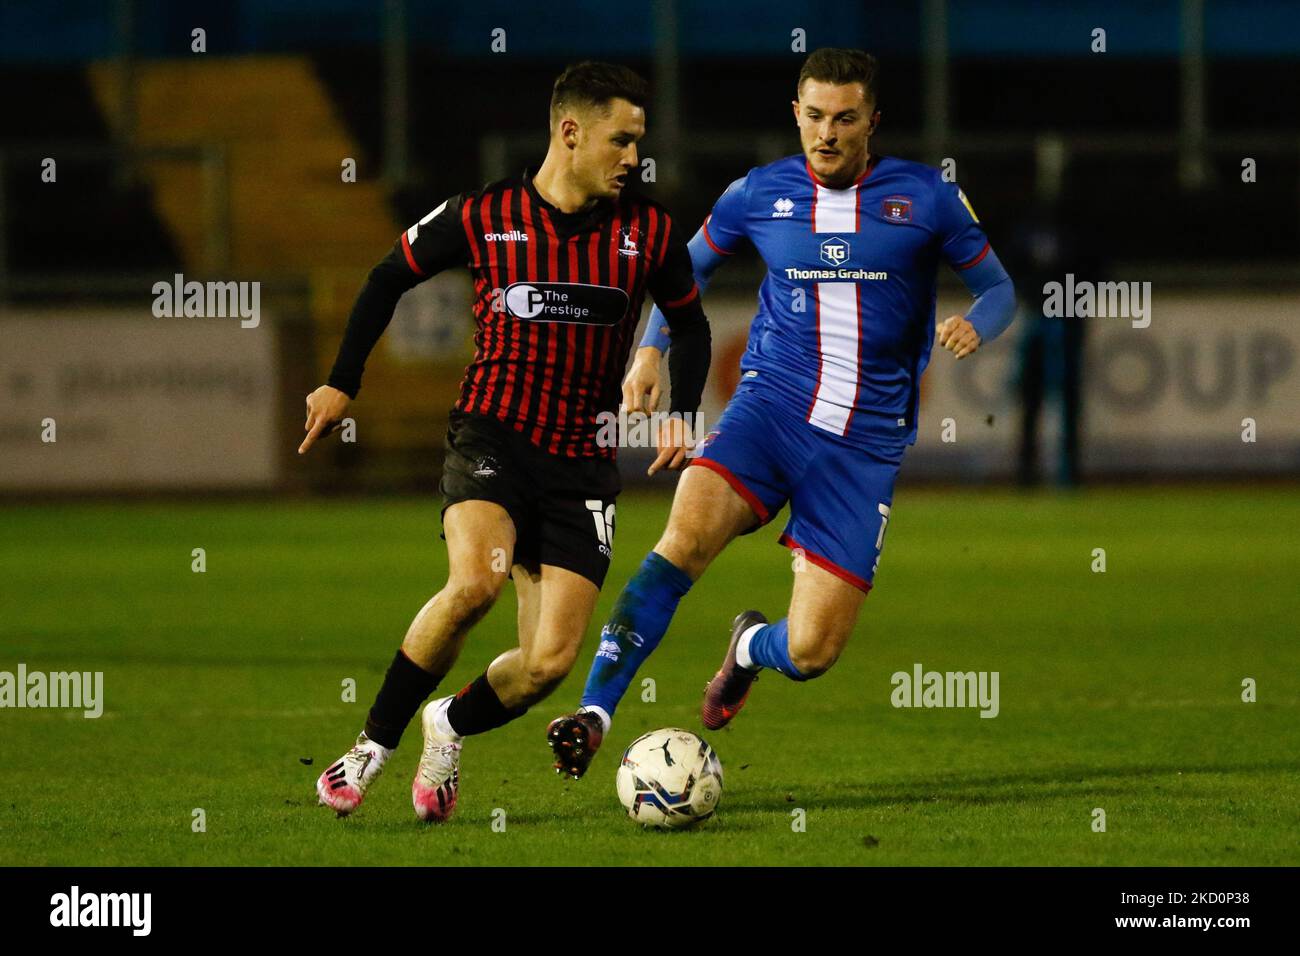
(715, 241)
(966, 249)
(704, 262)
(677, 295)
(688, 360)
(371, 314)
(435, 243)
(993, 309)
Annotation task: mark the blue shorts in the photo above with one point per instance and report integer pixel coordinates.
(839, 493)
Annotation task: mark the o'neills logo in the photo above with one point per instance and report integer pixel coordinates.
(514, 235)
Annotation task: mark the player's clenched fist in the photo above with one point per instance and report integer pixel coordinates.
(641, 387)
(957, 336)
(325, 408)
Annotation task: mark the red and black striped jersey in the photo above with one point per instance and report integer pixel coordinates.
(557, 299)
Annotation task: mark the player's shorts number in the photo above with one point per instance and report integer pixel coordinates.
(604, 518)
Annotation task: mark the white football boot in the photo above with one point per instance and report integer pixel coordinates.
(433, 791)
(343, 786)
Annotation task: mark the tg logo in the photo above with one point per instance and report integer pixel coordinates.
(835, 251)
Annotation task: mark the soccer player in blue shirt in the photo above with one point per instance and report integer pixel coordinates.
(828, 397)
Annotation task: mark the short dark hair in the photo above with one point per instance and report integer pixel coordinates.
(840, 66)
(595, 84)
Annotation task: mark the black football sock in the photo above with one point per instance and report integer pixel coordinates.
(405, 687)
(477, 709)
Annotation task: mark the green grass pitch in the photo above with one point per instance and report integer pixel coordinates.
(1119, 690)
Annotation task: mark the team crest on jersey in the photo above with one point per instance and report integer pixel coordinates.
(486, 467)
(783, 208)
(835, 251)
(628, 244)
(896, 209)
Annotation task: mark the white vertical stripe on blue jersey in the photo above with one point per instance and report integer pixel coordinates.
(836, 210)
(837, 335)
(838, 330)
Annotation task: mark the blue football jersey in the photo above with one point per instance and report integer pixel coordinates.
(845, 316)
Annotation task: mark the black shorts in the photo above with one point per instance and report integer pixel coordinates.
(562, 508)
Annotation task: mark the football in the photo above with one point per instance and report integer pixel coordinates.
(669, 778)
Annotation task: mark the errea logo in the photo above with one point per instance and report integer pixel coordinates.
(835, 251)
(783, 208)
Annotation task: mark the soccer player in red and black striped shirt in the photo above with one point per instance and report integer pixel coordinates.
(562, 259)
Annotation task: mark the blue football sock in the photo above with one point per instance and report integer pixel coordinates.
(770, 647)
(635, 628)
